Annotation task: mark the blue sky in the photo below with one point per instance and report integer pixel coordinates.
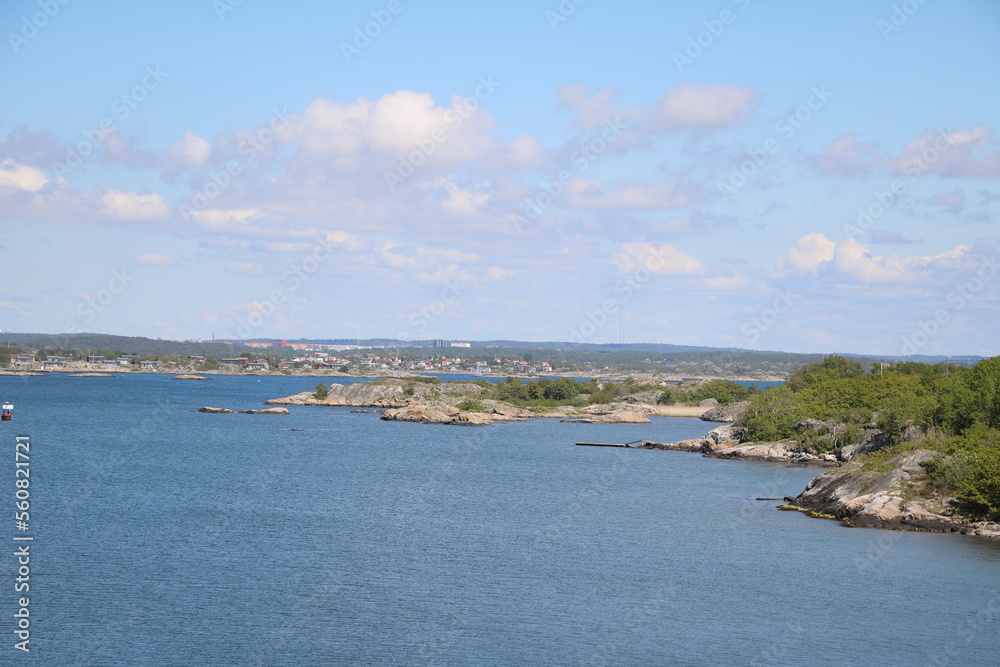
(808, 177)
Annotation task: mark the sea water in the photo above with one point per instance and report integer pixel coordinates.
(325, 537)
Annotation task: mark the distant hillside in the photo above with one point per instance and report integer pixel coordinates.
(97, 343)
(683, 360)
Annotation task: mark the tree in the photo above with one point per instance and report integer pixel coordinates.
(563, 389)
(907, 409)
(723, 391)
(321, 392)
(984, 381)
(833, 367)
(771, 414)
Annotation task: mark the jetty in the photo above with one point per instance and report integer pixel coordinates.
(634, 443)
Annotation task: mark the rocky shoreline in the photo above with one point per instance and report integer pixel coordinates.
(427, 403)
(896, 496)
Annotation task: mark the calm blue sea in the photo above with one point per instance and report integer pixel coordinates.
(164, 536)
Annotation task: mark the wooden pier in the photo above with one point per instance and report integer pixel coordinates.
(629, 445)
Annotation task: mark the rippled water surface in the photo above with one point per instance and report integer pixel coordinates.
(325, 537)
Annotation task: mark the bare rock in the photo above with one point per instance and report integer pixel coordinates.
(648, 397)
(617, 417)
(423, 413)
(718, 439)
(266, 411)
(895, 496)
(618, 406)
(777, 452)
(507, 410)
(215, 411)
(389, 393)
(813, 425)
(191, 377)
(726, 413)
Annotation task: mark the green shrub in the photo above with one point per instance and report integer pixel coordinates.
(471, 405)
(600, 396)
(970, 468)
(668, 397)
(771, 414)
(321, 392)
(723, 391)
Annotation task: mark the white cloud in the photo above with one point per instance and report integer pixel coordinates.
(597, 194)
(964, 152)
(691, 106)
(420, 259)
(462, 202)
(498, 273)
(523, 154)
(663, 260)
(594, 111)
(130, 206)
(244, 269)
(729, 283)
(856, 261)
(850, 260)
(953, 201)
(845, 155)
(808, 253)
(192, 150)
(349, 241)
(155, 260)
(21, 177)
(222, 220)
(395, 125)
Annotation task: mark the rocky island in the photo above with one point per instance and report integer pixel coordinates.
(430, 401)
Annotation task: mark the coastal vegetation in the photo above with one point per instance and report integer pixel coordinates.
(954, 411)
(723, 391)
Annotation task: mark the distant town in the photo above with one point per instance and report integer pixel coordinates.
(291, 358)
(106, 353)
